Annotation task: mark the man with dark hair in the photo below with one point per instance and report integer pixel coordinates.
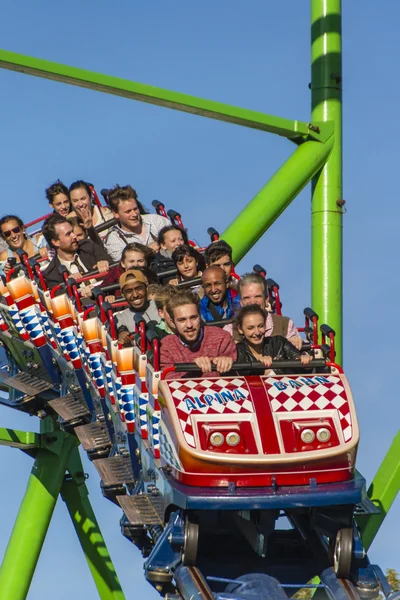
(217, 303)
(219, 254)
(169, 239)
(78, 258)
(206, 346)
(133, 224)
(133, 286)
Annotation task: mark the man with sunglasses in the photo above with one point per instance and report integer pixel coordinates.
(78, 257)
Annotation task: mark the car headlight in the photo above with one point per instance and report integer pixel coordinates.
(217, 439)
(323, 435)
(307, 436)
(233, 438)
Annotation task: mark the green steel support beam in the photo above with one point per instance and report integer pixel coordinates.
(382, 491)
(24, 440)
(75, 494)
(275, 196)
(326, 93)
(147, 93)
(25, 544)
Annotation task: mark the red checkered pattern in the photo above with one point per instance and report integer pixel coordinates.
(182, 390)
(317, 396)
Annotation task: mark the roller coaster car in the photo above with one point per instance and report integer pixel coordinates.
(235, 452)
(246, 431)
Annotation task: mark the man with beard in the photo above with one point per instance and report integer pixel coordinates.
(217, 303)
(208, 347)
(133, 286)
(78, 258)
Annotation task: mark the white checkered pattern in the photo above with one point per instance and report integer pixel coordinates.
(153, 420)
(14, 314)
(317, 396)
(167, 449)
(183, 390)
(141, 402)
(31, 321)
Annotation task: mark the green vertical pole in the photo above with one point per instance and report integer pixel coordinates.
(28, 535)
(327, 185)
(76, 496)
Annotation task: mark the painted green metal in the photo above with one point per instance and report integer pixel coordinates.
(147, 93)
(33, 520)
(75, 495)
(326, 93)
(275, 196)
(23, 440)
(382, 491)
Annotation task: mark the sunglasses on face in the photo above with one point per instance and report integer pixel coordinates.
(8, 233)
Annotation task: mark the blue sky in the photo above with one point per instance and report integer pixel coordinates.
(254, 55)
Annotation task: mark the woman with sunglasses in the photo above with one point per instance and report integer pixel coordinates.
(12, 230)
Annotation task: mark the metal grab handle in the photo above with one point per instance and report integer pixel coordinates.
(213, 233)
(260, 270)
(173, 214)
(189, 283)
(169, 273)
(160, 208)
(175, 217)
(310, 313)
(37, 220)
(219, 323)
(243, 366)
(106, 225)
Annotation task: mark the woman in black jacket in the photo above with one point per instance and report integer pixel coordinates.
(255, 347)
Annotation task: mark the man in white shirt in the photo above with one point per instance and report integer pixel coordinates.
(133, 224)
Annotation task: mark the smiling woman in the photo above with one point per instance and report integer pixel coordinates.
(12, 230)
(81, 203)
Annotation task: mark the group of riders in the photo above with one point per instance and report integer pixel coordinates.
(202, 311)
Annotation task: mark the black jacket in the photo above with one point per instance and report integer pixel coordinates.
(161, 263)
(89, 253)
(276, 346)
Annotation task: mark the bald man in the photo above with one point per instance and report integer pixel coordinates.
(217, 302)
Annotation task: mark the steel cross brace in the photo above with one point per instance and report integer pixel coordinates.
(55, 453)
(292, 129)
(382, 492)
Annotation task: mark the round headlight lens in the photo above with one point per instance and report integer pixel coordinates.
(323, 435)
(217, 439)
(233, 438)
(307, 436)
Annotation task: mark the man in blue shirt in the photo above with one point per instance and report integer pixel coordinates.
(217, 303)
